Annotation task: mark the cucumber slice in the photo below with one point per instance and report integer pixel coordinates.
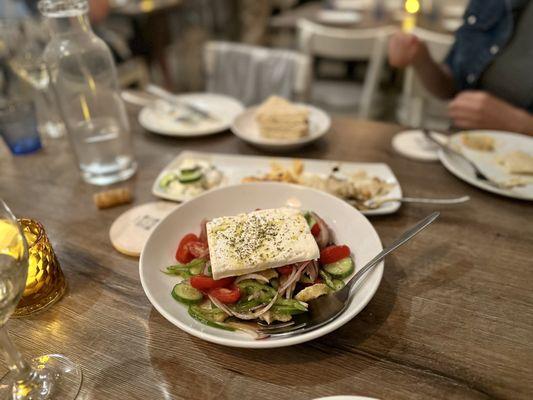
(197, 313)
(167, 179)
(190, 176)
(186, 294)
(191, 169)
(333, 284)
(336, 284)
(340, 269)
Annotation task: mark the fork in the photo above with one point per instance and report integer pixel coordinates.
(372, 204)
(479, 175)
(324, 309)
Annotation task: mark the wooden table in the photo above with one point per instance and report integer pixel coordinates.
(452, 318)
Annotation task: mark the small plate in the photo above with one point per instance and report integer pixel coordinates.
(247, 129)
(236, 167)
(414, 145)
(224, 108)
(338, 17)
(485, 161)
(359, 5)
(349, 226)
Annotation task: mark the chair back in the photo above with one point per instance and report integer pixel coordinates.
(252, 73)
(349, 45)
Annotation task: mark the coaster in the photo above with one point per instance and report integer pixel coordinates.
(130, 231)
(414, 145)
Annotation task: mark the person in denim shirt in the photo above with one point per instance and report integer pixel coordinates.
(488, 73)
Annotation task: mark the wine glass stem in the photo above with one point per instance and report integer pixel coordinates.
(14, 359)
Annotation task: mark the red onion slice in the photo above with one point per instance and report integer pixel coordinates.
(245, 327)
(294, 276)
(203, 230)
(323, 237)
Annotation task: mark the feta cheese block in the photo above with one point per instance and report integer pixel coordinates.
(259, 240)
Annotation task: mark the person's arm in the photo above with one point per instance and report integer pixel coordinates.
(406, 49)
(473, 109)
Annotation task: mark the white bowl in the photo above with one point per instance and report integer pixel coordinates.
(245, 127)
(349, 226)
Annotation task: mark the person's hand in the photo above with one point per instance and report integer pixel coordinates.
(404, 49)
(477, 109)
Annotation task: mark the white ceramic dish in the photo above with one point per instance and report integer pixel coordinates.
(338, 17)
(224, 108)
(235, 168)
(485, 161)
(246, 128)
(349, 226)
(359, 5)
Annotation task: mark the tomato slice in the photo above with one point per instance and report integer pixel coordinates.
(285, 270)
(204, 283)
(182, 253)
(315, 230)
(227, 295)
(333, 254)
(198, 249)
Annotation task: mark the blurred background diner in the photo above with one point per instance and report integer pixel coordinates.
(424, 64)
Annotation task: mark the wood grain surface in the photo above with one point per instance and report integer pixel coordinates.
(452, 318)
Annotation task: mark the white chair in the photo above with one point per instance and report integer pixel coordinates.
(420, 108)
(252, 73)
(349, 45)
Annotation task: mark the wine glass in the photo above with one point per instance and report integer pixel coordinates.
(46, 377)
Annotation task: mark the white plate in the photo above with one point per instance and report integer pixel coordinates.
(360, 5)
(338, 17)
(235, 168)
(505, 143)
(247, 129)
(223, 107)
(349, 226)
(414, 145)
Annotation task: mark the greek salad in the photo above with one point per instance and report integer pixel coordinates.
(276, 293)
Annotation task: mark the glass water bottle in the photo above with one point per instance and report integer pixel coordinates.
(84, 79)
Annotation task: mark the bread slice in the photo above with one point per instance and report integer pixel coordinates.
(517, 162)
(280, 119)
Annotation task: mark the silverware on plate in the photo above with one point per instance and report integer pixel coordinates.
(372, 204)
(448, 149)
(172, 99)
(324, 309)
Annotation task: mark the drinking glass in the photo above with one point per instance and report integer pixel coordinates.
(18, 127)
(26, 61)
(45, 283)
(47, 377)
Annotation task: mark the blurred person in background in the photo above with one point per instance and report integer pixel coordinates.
(98, 9)
(488, 73)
